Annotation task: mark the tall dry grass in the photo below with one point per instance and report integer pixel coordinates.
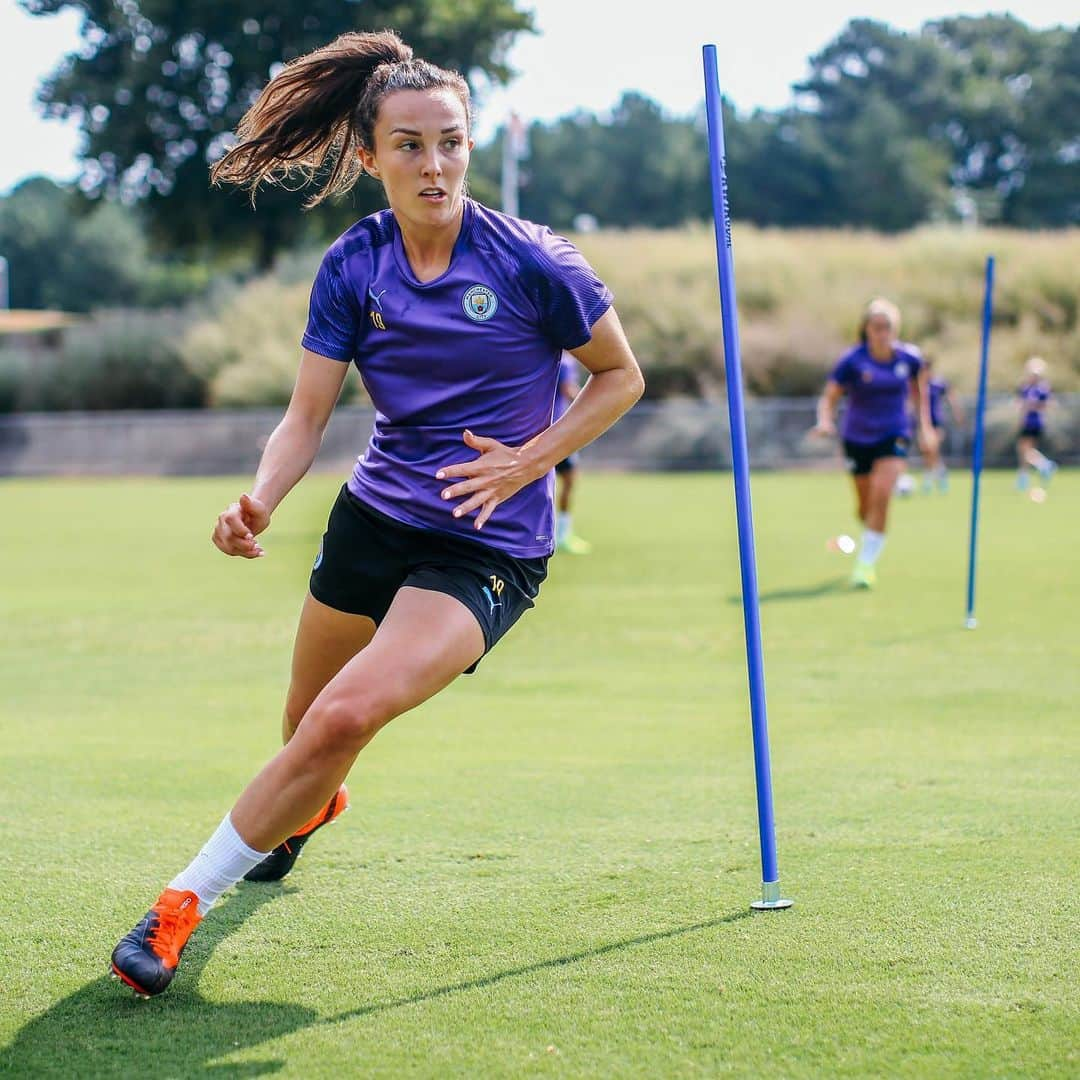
(801, 293)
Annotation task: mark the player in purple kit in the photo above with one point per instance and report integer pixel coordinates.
(877, 377)
(456, 317)
(1034, 396)
(941, 394)
(566, 471)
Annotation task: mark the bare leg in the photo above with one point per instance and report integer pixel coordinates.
(426, 640)
(862, 496)
(1030, 454)
(564, 481)
(882, 480)
(326, 640)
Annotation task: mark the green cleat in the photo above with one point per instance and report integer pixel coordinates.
(864, 576)
(574, 545)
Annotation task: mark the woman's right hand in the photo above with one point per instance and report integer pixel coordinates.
(238, 526)
(824, 428)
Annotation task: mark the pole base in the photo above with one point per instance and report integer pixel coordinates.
(970, 623)
(771, 900)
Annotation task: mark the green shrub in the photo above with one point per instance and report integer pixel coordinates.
(249, 350)
(117, 360)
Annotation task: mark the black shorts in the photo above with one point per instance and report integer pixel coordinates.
(861, 456)
(567, 464)
(365, 557)
(1030, 433)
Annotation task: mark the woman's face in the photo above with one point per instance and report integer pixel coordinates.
(421, 154)
(880, 334)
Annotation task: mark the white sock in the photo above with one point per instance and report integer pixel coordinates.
(872, 543)
(223, 861)
(562, 526)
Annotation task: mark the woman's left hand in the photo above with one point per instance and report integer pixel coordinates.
(492, 478)
(928, 438)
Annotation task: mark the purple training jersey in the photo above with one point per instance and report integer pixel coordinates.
(476, 348)
(568, 378)
(939, 391)
(877, 393)
(1034, 395)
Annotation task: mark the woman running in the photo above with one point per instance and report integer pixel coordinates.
(941, 395)
(876, 376)
(456, 317)
(1034, 396)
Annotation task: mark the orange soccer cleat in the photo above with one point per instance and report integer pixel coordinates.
(147, 958)
(280, 861)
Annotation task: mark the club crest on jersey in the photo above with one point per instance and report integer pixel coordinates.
(480, 303)
(903, 369)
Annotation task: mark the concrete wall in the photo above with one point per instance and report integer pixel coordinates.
(661, 435)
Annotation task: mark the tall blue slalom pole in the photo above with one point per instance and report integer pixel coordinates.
(740, 460)
(977, 448)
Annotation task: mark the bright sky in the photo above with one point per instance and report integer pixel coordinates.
(586, 54)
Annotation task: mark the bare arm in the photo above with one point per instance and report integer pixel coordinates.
(826, 408)
(288, 455)
(615, 383)
(292, 447)
(921, 392)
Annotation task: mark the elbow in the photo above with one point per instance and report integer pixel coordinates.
(636, 388)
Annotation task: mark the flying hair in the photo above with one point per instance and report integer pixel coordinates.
(320, 108)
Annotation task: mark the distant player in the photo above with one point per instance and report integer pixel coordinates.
(455, 316)
(1034, 396)
(942, 398)
(566, 472)
(877, 377)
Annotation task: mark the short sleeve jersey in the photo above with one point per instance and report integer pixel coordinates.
(568, 377)
(939, 390)
(1033, 395)
(477, 348)
(877, 392)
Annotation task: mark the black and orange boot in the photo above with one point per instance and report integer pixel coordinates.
(147, 958)
(280, 861)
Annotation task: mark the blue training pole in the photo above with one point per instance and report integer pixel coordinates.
(770, 877)
(977, 449)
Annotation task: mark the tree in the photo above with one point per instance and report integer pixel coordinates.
(159, 85)
(62, 257)
(1013, 127)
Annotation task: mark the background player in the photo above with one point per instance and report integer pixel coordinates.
(941, 395)
(1034, 396)
(876, 376)
(568, 470)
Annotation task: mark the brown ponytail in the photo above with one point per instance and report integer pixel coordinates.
(321, 108)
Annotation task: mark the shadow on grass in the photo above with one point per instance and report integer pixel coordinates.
(103, 1030)
(807, 592)
(539, 965)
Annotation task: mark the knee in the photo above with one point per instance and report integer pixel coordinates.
(349, 723)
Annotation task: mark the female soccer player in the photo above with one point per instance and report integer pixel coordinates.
(1034, 396)
(566, 471)
(941, 394)
(456, 317)
(877, 376)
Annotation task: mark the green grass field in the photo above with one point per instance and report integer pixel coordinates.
(547, 869)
